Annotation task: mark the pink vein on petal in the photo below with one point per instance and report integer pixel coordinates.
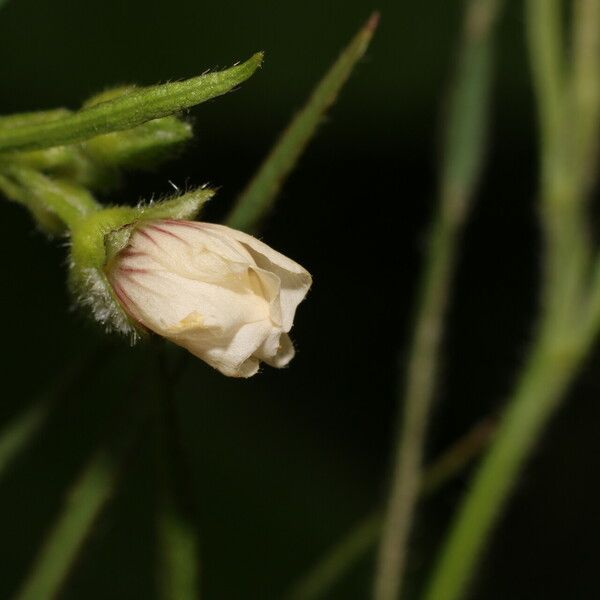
(145, 234)
(166, 232)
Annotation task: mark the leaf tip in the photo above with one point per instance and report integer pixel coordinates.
(372, 23)
(258, 58)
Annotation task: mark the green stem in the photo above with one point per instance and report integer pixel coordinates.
(364, 536)
(258, 197)
(463, 157)
(68, 201)
(562, 211)
(422, 370)
(542, 384)
(565, 333)
(586, 88)
(84, 503)
(19, 432)
(544, 25)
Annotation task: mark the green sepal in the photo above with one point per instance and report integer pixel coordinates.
(185, 206)
(97, 240)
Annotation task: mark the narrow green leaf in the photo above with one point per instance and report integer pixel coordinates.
(83, 505)
(127, 111)
(178, 548)
(258, 197)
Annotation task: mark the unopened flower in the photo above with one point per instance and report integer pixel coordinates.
(221, 294)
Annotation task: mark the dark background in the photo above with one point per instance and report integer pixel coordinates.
(286, 462)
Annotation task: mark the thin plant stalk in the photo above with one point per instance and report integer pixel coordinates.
(568, 323)
(179, 558)
(338, 561)
(586, 86)
(463, 153)
(258, 197)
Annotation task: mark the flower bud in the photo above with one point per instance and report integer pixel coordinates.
(223, 295)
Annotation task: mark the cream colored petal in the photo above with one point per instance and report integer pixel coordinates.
(232, 354)
(295, 280)
(186, 248)
(162, 300)
(277, 351)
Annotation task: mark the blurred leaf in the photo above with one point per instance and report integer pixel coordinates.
(258, 197)
(132, 109)
(84, 503)
(20, 431)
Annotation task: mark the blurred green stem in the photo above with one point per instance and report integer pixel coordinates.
(340, 559)
(569, 323)
(85, 501)
(544, 380)
(20, 431)
(463, 151)
(179, 566)
(258, 197)
(586, 87)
